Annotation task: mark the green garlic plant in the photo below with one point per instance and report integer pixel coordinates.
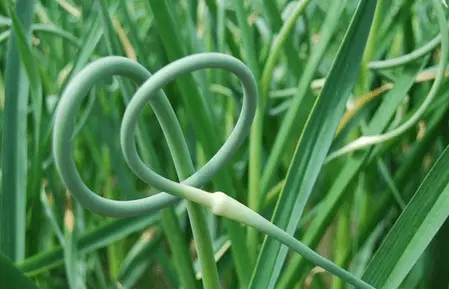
(310, 168)
(219, 203)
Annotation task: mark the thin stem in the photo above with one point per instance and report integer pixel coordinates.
(391, 184)
(227, 207)
(407, 58)
(50, 29)
(276, 46)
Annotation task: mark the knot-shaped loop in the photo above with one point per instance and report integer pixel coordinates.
(150, 91)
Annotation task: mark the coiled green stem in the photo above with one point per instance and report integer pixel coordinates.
(150, 92)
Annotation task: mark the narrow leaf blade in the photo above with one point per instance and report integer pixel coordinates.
(314, 143)
(413, 231)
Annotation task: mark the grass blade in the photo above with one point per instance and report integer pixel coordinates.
(177, 244)
(413, 231)
(349, 171)
(14, 150)
(298, 108)
(315, 143)
(10, 275)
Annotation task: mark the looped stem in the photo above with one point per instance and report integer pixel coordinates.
(150, 92)
(100, 69)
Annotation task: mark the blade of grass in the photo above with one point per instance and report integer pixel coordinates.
(13, 277)
(180, 255)
(348, 172)
(293, 115)
(257, 129)
(413, 231)
(314, 143)
(402, 177)
(31, 69)
(439, 253)
(4, 36)
(273, 12)
(33, 72)
(363, 84)
(14, 150)
(232, 45)
(391, 184)
(365, 141)
(57, 31)
(90, 42)
(98, 273)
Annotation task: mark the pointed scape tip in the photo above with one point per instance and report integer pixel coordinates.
(445, 3)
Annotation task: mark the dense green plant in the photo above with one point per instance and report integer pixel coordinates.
(344, 104)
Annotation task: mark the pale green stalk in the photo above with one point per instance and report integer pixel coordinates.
(407, 58)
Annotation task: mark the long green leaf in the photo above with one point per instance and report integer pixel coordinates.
(413, 231)
(349, 171)
(12, 277)
(36, 92)
(14, 151)
(314, 143)
(301, 104)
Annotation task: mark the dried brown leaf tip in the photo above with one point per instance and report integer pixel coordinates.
(311, 276)
(69, 219)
